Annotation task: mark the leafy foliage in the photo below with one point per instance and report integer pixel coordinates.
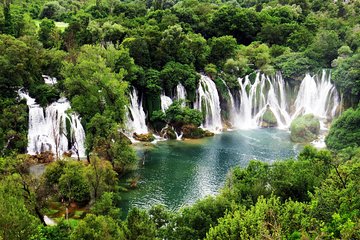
(345, 131)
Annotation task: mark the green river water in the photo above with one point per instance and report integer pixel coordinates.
(177, 173)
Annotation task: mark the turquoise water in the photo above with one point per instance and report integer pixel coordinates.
(177, 173)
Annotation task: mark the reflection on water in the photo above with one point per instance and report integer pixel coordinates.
(177, 173)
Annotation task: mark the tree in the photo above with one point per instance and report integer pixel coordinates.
(13, 128)
(345, 131)
(177, 115)
(16, 221)
(347, 76)
(101, 177)
(174, 73)
(73, 185)
(105, 206)
(324, 47)
(20, 64)
(48, 34)
(97, 228)
(221, 48)
(8, 28)
(139, 225)
(52, 10)
(93, 86)
(105, 140)
(243, 24)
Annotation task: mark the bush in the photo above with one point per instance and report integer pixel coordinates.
(178, 115)
(345, 131)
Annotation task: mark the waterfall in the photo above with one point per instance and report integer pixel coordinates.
(316, 95)
(136, 115)
(165, 102)
(49, 80)
(207, 101)
(233, 112)
(48, 131)
(256, 98)
(180, 92)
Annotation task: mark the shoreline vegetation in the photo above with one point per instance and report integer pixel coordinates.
(184, 51)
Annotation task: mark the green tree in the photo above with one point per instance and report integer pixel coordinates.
(20, 64)
(221, 48)
(105, 205)
(347, 76)
(101, 177)
(73, 185)
(13, 127)
(48, 34)
(345, 131)
(93, 86)
(97, 228)
(16, 221)
(177, 115)
(138, 225)
(324, 47)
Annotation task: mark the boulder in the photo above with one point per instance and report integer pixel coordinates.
(43, 157)
(194, 132)
(145, 137)
(268, 119)
(305, 128)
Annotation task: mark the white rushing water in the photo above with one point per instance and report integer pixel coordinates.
(48, 129)
(165, 102)
(180, 93)
(136, 116)
(316, 95)
(207, 101)
(49, 80)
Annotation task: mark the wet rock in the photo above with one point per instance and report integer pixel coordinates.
(268, 119)
(194, 132)
(145, 137)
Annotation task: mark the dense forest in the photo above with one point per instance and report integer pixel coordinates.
(98, 50)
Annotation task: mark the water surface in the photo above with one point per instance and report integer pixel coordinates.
(177, 173)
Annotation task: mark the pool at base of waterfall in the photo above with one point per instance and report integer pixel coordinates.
(177, 173)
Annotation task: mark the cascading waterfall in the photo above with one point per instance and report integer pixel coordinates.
(180, 92)
(207, 101)
(165, 102)
(316, 95)
(256, 98)
(136, 115)
(48, 132)
(233, 111)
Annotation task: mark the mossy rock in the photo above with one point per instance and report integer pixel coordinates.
(145, 137)
(207, 133)
(268, 119)
(194, 132)
(305, 128)
(168, 133)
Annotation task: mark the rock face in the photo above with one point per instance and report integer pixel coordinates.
(146, 137)
(304, 129)
(191, 131)
(268, 119)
